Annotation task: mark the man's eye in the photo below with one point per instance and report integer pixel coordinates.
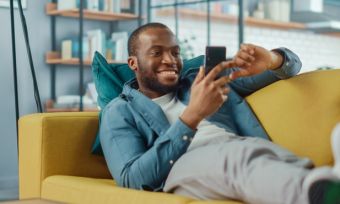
(177, 53)
(155, 53)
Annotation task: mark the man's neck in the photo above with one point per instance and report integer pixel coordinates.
(151, 94)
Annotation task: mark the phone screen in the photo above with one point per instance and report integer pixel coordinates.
(213, 56)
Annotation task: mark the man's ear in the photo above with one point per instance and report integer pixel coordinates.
(132, 62)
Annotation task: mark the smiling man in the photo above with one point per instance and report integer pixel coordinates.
(156, 75)
(182, 132)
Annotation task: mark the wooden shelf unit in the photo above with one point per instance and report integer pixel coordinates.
(250, 21)
(51, 9)
(54, 57)
(49, 107)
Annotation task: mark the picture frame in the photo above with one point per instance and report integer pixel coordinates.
(5, 3)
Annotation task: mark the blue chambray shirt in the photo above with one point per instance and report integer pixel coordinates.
(139, 144)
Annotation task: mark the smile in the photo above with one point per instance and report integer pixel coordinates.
(168, 73)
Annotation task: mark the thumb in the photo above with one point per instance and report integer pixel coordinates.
(200, 75)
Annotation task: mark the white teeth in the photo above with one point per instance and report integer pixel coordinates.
(168, 73)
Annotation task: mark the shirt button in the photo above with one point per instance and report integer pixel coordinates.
(287, 64)
(171, 162)
(185, 138)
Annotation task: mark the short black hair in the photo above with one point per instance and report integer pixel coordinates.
(133, 39)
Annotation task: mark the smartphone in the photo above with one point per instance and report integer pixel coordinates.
(213, 56)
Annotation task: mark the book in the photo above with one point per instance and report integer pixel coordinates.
(127, 6)
(110, 50)
(97, 42)
(93, 5)
(115, 6)
(76, 47)
(66, 4)
(70, 48)
(101, 5)
(92, 92)
(66, 49)
(120, 42)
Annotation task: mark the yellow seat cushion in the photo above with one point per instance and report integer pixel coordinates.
(73, 189)
(299, 113)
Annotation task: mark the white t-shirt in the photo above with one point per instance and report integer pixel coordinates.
(206, 131)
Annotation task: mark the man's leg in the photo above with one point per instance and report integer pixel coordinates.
(255, 173)
(241, 169)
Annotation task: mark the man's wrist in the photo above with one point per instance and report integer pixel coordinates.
(276, 60)
(190, 119)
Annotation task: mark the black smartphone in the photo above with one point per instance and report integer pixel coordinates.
(213, 56)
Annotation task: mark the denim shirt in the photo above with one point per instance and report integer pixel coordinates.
(139, 144)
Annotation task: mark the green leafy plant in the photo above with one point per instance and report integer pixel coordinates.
(187, 50)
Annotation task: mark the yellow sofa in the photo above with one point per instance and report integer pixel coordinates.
(55, 162)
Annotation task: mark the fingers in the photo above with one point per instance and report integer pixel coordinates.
(224, 95)
(250, 48)
(225, 90)
(199, 76)
(239, 73)
(245, 56)
(219, 68)
(222, 81)
(224, 98)
(242, 62)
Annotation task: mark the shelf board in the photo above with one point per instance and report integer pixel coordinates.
(55, 58)
(333, 34)
(53, 110)
(50, 109)
(51, 9)
(250, 21)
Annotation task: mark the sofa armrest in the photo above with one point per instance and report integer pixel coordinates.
(57, 143)
(299, 113)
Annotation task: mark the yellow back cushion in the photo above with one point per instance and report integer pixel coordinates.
(299, 113)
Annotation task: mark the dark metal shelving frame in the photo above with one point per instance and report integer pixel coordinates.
(81, 60)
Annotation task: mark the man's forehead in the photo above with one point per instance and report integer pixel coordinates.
(158, 36)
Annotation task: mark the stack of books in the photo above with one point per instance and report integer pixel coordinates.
(113, 6)
(114, 48)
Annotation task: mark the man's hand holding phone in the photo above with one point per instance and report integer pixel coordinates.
(208, 93)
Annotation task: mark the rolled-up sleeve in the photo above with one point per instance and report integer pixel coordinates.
(290, 67)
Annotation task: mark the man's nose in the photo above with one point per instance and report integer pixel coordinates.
(168, 58)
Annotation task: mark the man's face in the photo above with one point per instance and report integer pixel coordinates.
(158, 62)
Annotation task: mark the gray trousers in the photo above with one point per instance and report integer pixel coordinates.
(242, 168)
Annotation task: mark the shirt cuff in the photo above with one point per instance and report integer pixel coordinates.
(291, 64)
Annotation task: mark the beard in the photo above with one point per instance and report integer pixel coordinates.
(152, 83)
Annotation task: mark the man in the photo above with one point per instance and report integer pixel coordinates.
(179, 132)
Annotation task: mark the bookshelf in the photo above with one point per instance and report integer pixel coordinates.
(53, 57)
(227, 18)
(51, 9)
